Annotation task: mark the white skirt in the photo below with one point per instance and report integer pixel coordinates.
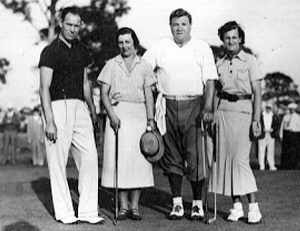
(134, 171)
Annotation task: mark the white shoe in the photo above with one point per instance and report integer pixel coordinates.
(273, 169)
(197, 213)
(254, 217)
(69, 220)
(92, 220)
(235, 214)
(177, 212)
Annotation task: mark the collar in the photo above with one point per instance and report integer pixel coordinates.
(122, 64)
(186, 43)
(74, 43)
(242, 56)
(120, 60)
(270, 113)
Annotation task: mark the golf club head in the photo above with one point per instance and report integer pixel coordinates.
(211, 220)
(115, 222)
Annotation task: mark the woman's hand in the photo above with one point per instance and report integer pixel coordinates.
(256, 128)
(115, 123)
(151, 123)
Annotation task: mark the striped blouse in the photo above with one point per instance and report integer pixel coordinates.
(130, 84)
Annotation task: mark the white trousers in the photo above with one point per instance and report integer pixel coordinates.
(267, 143)
(75, 134)
(38, 153)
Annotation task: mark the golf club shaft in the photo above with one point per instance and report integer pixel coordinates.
(116, 179)
(205, 158)
(214, 168)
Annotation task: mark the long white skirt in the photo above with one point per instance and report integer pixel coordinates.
(234, 174)
(134, 171)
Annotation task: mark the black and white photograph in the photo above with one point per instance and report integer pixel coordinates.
(149, 115)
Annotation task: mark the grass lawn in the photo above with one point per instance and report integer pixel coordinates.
(26, 204)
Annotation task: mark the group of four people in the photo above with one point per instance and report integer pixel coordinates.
(182, 70)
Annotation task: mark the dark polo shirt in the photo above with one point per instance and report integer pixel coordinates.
(68, 68)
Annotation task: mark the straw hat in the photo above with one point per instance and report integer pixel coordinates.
(151, 145)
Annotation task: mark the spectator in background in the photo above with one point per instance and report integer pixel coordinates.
(36, 137)
(266, 141)
(11, 123)
(290, 136)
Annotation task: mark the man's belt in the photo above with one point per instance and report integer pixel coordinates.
(181, 97)
(233, 97)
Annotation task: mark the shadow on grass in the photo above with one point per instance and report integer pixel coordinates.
(21, 226)
(42, 188)
(152, 198)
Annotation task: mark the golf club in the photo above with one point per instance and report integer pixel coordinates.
(116, 179)
(214, 171)
(205, 155)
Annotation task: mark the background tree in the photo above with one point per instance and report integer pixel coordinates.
(281, 89)
(98, 30)
(4, 66)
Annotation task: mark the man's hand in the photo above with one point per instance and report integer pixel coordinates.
(207, 114)
(51, 131)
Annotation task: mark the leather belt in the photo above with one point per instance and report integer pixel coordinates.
(234, 97)
(181, 97)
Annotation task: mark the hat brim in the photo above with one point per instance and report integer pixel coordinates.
(161, 148)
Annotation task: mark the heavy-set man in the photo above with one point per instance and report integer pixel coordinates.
(67, 104)
(184, 66)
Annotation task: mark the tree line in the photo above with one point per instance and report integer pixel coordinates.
(98, 34)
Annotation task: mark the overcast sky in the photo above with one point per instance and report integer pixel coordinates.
(272, 30)
(272, 27)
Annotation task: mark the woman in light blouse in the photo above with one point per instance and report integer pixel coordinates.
(126, 82)
(238, 115)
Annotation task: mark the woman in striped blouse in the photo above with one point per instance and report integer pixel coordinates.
(126, 81)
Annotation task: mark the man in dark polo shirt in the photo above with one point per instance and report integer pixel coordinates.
(67, 105)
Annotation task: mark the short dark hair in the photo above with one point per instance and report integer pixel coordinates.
(127, 30)
(180, 13)
(72, 9)
(231, 26)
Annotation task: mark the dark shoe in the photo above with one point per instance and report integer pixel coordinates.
(135, 215)
(177, 213)
(197, 213)
(122, 214)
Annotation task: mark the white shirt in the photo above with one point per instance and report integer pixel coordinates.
(268, 117)
(182, 70)
(291, 122)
